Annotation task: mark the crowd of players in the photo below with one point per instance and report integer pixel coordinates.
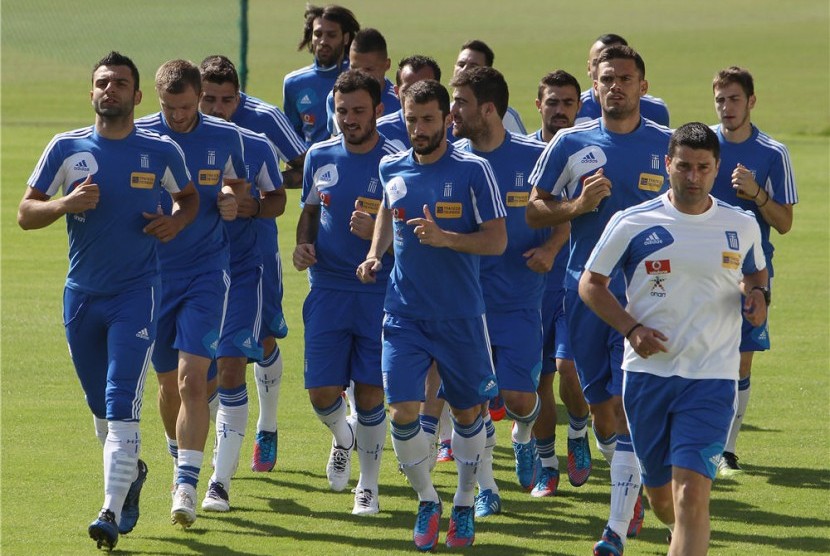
(449, 256)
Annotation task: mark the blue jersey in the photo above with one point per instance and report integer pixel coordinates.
(387, 97)
(304, 94)
(652, 108)
(334, 179)
(769, 162)
(429, 283)
(633, 162)
(263, 173)
(507, 282)
(393, 127)
(213, 151)
(261, 117)
(108, 251)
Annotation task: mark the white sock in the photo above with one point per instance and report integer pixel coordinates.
(743, 402)
(334, 418)
(352, 401)
(606, 446)
(371, 436)
(523, 424)
(625, 487)
(213, 406)
(467, 446)
(412, 450)
(230, 432)
(101, 430)
(190, 464)
(445, 425)
(120, 463)
(486, 480)
(268, 374)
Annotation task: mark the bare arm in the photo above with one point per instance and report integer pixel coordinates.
(755, 306)
(593, 289)
(304, 253)
(292, 176)
(381, 241)
(489, 239)
(540, 259)
(543, 209)
(37, 210)
(165, 227)
(777, 215)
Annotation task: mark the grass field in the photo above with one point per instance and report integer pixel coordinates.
(50, 471)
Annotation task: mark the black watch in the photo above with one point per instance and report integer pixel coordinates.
(764, 290)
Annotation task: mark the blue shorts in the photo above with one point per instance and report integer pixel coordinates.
(273, 320)
(516, 341)
(240, 330)
(110, 341)
(190, 320)
(459, 346)
(554, 330)
(597, 350)
(677, 422)
(342, 337)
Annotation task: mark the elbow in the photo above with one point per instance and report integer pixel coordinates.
(784, 227)
(584, 289)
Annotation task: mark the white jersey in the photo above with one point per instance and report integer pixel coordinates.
(682, 276)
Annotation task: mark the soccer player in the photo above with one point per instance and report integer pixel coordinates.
(688, 258)
(195, 273)
(511, 285)
(328, 33)
(368, 53)
(653, 108)
(110, 175)
(341, 193)
(558, 102)
(755, 174)
(441, 211)
(598, 168)
(222, 98)
(477, 53)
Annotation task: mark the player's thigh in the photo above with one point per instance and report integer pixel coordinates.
(406, 355)
(243, 318)
(328, 338)
(462, 349)
(516, 339)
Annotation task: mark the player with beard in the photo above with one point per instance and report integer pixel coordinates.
(585, 175)
(328, 33)
(441, 211)
(342, 316)
(111, 175)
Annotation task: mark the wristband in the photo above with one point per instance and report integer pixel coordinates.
(765, 201)
(632, 329)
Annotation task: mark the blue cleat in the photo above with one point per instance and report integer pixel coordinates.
(103, 530)
(129, 511)
(265, 451)
(609, 545)
(487, 503)
(579, 460)
(426, 526)
(547, 483)
(527, 463)
(636, 523)
(462, 530)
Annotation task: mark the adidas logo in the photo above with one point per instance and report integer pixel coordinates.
(490, 385)
(247, 343)
(81, 166)
(305, 100)
(589, 159)
(326, 177)
(143, 334)
(653, 239)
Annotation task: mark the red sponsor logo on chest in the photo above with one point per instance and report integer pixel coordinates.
(658, 267)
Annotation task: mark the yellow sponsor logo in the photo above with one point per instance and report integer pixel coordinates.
(651, 182)
(209, 177)
(517, 199)
(730, 260)
(447, 210)
(370, 205)
(142, 180)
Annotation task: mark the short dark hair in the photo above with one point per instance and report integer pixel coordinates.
(370, 40)
(487, 85)
(735, 74)
(480, 46)
(117, 59)
(428, 90)
(558, 78)
(695, 135)
(611, 38)
(623, 52)
(219, 69)
(417, 63)
(358, 80)
(175, 75)
(338, 14)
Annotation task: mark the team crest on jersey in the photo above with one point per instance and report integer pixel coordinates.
(211, 158)
(373, 185)
(144, 160)
(658, 267)
(657, 288)
(142, 180)
(448, 189)
(447, 210)
(650, 182)
(369, 205)
(730, 260)
(326, 176)
(519, 182)
(395, 189)
(732, 240)
(209, 176)
(655, 161)
(516, 199)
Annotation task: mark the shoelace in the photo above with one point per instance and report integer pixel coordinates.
(216, 491)
(340, 459)
(524, 458)
(365, 498)
(463, 523)
(424, 515)
(267, 446)
(581, 455)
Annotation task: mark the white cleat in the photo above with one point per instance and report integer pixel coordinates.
(339, 467)
(365, 502)
(184, 508)
(216, 499)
